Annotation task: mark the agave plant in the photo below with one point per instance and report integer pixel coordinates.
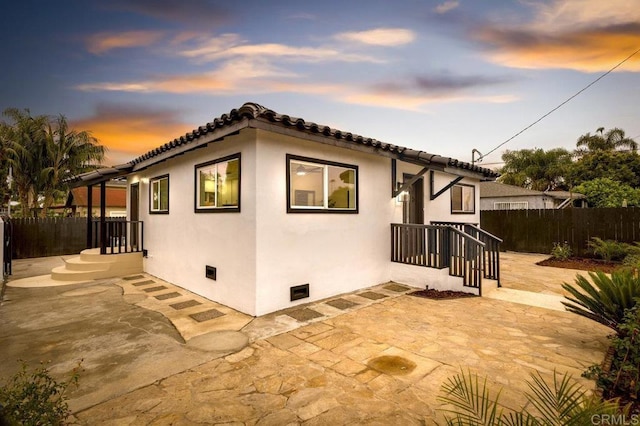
(606, 300)
(562, 402)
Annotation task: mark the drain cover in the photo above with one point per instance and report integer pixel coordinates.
(394, 365)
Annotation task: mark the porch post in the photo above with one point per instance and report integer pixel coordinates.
(89, 209)
(103, 211)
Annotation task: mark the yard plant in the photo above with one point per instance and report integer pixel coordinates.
(32, 397)
(610, 250)
(605, 299)
(561, 251)
(621, 379)
(563, 401)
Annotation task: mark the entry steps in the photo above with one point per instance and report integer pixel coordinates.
(92, 265)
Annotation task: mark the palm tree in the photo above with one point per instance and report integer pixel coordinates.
(23, 142)
(613, 140)
(68, 153)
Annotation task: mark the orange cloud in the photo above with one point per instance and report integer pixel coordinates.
(103, 42)
(128, 132)
(588, 50)
(583, 35)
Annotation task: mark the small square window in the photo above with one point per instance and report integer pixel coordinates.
(218, 185)
(159, 194)
(321, 186)
(463, 199)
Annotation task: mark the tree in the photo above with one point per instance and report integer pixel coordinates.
(536, 168)
(43, 152)
(613, 139)
(24, 140)
(605, 192)
(620, 166)
(68, 153)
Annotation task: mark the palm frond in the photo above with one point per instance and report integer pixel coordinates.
(472, 401)
(605, 298)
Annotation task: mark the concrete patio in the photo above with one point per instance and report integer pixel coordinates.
(143, 366)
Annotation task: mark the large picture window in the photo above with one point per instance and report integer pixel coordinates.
(463, 199)
(218, 185)
(159, 194)
(321, 186)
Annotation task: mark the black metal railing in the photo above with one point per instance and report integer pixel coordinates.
(466, 258)
(491, 259)
(117, 236)
(445, 246)
(420, 245)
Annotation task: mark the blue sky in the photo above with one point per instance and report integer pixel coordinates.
(441, 76)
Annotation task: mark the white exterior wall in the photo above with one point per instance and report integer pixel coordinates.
(262, 251)
(440, 208)
(437, 279)
(180, 244)
(333, 252)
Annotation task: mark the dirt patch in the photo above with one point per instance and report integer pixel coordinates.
(583, 264)
(440, 294)
(394, 365)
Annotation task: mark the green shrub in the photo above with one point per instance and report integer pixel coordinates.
(563, 402)
(622, 379)
(561, 251)
(606, 300)
(609, 250)
(33, 397)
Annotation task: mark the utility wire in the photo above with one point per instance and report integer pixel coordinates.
(559, 106)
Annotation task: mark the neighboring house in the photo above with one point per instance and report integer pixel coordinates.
(498, 196)
(261, 211)
(116, 200)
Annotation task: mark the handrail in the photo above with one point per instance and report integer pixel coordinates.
(466, 236)
(485, 233)
(492, 250)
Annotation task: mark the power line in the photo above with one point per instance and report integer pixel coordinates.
(559, 106)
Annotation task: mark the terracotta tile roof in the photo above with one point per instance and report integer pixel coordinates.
(253, 115)
(115, 196)
(253, 111)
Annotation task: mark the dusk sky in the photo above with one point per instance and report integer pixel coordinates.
(441, 76)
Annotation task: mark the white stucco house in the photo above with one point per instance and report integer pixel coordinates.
(262, 211)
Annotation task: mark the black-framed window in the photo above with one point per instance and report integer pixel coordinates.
(463, 199)
(319, 186)
(217, 185)
(159, 194)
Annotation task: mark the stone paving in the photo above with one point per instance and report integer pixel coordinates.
(520, 272)
(365, 359)
(326, 372)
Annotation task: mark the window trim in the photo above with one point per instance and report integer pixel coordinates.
(196, 186)
(474, 199)
(319, 162)
(151, 182)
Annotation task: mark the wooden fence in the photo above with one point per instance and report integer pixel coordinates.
(39, 237)
(535, 231)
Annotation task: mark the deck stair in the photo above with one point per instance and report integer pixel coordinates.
(91, 265)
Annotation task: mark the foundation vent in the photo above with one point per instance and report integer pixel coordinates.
(299, 292)
(210, 272)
